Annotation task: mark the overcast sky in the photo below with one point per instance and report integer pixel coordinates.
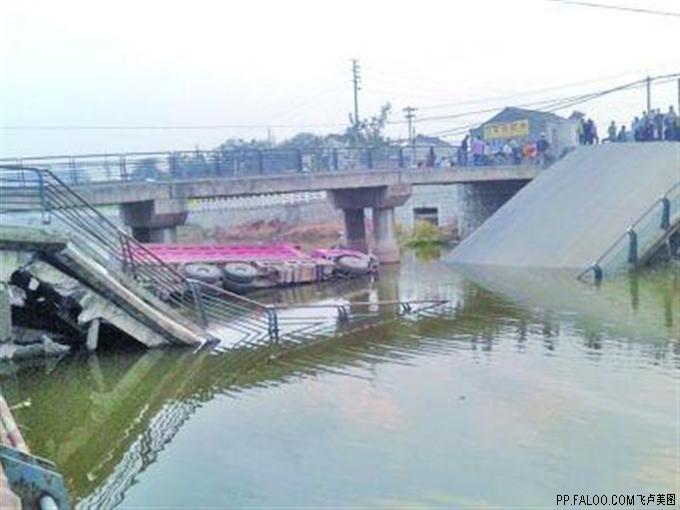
(287, 63)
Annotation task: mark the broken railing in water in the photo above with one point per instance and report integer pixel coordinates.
(641, 239)
(230, 318)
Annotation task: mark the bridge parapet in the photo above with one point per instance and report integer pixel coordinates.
(169, 166)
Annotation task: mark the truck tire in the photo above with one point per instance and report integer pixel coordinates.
(355, 264)
(239, 272)
(202, 272)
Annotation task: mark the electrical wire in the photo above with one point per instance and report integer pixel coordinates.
(531, 92)
(564, 103)
(546, 105)
(205, 127)
(618, 7)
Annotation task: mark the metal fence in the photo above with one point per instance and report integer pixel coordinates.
(654, 225)
(178, 165)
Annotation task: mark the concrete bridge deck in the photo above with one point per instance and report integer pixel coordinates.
(153, 206)
(116, 192)
(580, 207)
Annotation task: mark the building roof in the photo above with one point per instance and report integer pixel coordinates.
(510, 113)
(431, 140)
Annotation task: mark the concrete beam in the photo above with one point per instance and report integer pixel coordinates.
(124, 192)
(378, 197)
(289, 182)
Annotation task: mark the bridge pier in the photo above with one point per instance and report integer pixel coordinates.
(382, 200)
(386, 247)
(154, 221)
(355, 229)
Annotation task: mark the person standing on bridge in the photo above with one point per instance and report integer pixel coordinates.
(542, 146)
(588, 132)
(657, 119)
(636, 128)
(478, 148)
(611, 131)
(670, 122)
(463, 151)
(594, 137)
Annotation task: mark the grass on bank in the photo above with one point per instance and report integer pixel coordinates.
(424, 234)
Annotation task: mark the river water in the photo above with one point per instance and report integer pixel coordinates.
(528, 386)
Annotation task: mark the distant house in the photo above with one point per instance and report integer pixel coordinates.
(528, 125)
(430, 141)
(428, 150)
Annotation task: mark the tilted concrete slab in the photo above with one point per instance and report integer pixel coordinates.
(575, 210)
(114, 297)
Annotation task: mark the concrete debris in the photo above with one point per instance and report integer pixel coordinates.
(45, 347)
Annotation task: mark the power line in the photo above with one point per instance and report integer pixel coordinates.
(164, 127)
(547, 105)
(560, 104)
(618, 7)
(532, 92)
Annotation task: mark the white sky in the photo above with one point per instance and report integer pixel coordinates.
(161, 63)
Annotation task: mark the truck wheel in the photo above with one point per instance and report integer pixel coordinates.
(202, 272)
(239, 272)
(355, 264)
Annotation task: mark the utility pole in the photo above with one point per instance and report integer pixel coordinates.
(356, 79)
(409, 114)
(649, 94)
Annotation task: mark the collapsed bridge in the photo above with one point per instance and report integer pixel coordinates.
(127, 286)
(599, 210)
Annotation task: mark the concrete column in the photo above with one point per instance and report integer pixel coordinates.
(93, 335)
(355, 229)
(154, 221)
(5, 314)
(384, 231)
(382, 200)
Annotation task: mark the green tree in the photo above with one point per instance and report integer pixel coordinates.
(370, 132)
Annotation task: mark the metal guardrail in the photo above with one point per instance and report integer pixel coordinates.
(177, 165)
(633, 245)
(222, 314)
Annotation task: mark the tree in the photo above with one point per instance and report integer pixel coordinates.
(305, 141)
(370, 132)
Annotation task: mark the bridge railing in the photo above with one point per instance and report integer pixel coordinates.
(178, 165)
(30, 189)
(628, 250)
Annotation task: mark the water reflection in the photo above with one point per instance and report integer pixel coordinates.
(105, 418)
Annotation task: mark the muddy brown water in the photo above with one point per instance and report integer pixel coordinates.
(530, 385)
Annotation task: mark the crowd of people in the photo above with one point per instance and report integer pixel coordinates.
(503, 152)
(475, 151)
(652, 125)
